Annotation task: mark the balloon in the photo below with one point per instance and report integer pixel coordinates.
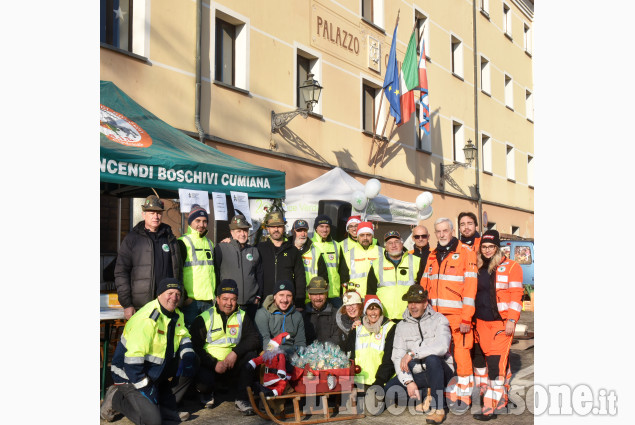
(423, 200)
(372, 188)
(425, 213)
(359, 200)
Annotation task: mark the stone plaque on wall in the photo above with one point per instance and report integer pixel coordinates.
(374, 54)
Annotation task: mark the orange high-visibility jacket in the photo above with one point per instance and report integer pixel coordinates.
(509, 289)
(452, 285)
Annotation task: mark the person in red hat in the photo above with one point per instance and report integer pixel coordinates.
(274, 380)
(350, 241)
(370, 345)
(358, 261)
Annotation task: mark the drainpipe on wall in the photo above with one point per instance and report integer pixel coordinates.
(476, 135)
(197, 93)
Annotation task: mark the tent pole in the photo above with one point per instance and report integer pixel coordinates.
(118, 222)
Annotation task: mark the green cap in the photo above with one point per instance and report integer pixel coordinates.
(318, 285)
(152, 203)
(415, 294)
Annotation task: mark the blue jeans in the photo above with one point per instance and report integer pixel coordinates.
(194, 309)
(435, 376)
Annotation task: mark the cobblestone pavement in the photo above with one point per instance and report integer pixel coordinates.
(522, 365)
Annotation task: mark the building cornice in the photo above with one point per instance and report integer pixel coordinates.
(526, 6)
(328, 166)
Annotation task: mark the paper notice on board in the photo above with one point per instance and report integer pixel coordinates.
(220, 206)
(187, 198)
(240, 200)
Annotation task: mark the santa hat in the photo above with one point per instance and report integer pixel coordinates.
(353, 219)
(372, 299)
(275, 342)
(365, 227)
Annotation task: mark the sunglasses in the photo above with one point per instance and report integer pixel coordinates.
(421, 236)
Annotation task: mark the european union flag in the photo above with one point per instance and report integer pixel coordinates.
(391, 82)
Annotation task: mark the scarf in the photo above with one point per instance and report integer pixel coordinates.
(443, 251)
(470, 240)
(374, 328)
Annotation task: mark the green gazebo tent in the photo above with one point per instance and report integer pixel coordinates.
(138, 150)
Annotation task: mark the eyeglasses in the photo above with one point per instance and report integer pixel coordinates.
(421, 236)
(488, 247)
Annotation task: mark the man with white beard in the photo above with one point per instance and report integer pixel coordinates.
(450, 277)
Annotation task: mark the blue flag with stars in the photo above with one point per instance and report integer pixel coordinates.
(391, 82)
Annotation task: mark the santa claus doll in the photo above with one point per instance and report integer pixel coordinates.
(275, 378)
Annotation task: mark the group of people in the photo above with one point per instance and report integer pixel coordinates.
(198, 313)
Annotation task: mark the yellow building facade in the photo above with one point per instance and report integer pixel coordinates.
(255, 54)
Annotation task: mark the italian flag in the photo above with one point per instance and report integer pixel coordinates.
(409, 79)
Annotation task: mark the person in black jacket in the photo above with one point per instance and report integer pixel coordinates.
(147, 254)
(236, 259)
(421, 249)
(319, 314)
(281, 260)
(225, 348)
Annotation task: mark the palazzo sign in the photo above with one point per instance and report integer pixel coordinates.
(341, 37)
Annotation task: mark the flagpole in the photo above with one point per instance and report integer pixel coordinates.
(375, 121)
(375, 129)
(391, 128)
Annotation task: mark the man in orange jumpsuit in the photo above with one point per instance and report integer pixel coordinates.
(450, 277)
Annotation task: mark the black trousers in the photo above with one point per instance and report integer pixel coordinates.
(139, 409)
(238, 377)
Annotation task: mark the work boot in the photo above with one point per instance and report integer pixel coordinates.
(435, 416)
(106, 411)
(425, 406)
(207, 399)
(244, 407)
(483, 417)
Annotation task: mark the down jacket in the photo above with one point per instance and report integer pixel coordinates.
(134, 271)
(427, 336)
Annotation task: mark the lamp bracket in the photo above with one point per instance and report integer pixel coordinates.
(282, 119)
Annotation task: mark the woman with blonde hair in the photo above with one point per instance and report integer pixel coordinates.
(497, 305)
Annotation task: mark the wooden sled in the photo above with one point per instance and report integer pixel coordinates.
(274, 408)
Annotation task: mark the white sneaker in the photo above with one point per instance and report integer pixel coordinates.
(244, 407)
(207, 399)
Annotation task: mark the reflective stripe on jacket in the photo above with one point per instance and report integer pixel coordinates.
(509, 289)
(220, 342)
(199, 278)
(369, 351)
(348, 244)
(393, 283)
(309, 261)
(359, 261)
(452, 285)
(140, 354)
(330, 252)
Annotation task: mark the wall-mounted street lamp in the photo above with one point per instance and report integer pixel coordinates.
(469, 151)
(309, 95)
